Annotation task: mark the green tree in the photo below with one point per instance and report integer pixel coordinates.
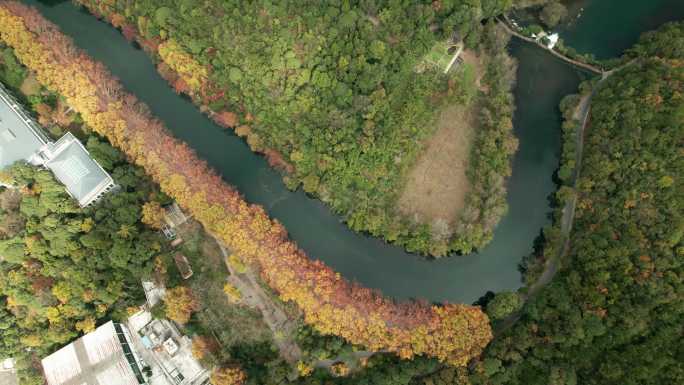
(503, 304)
(553, 13)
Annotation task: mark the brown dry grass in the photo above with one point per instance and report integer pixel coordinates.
(30, 86)
(437, 184)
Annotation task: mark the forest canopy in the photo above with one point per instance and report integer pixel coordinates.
(332, 93)
(63, 268)
(615, 313)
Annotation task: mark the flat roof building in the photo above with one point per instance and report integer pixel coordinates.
(22, 139)
(72, 165)
(102, 357)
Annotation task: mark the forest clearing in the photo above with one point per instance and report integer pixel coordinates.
(436, 186)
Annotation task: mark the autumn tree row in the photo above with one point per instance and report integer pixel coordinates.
(453, 333)
(332, 96)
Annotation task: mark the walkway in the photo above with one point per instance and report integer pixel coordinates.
(328, 363)
(283, 328)
(253, 295)
(577, 63)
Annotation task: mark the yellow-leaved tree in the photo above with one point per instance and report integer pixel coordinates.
(228, 375)
(180, 304)
(153, 215)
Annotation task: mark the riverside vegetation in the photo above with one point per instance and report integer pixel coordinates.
(614, 312)
(64, 268)
(331, 94)
(452, 333)
(612, 315)
(199, 305)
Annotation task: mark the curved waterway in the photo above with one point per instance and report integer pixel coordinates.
(542, 81)
(605, 28)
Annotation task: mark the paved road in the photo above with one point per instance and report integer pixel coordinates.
(567, 221)
(581, 114)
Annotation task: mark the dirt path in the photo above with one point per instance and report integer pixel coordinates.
(254, 296)
(326, 364)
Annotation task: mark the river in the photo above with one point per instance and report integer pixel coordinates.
(607, 27)
(542, 81)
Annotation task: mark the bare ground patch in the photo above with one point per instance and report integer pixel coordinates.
(30, 86)
(436, 186)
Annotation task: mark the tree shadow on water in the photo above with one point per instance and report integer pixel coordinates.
(52, 3)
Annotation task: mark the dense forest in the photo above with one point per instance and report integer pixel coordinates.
(63, 269)
(614, 314)
(332, 93)
(452, 333)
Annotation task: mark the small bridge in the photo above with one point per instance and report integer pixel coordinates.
(576, 63)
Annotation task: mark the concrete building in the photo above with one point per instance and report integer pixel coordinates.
(166, 351)
(143, 351)
(22, 139)
(102, 357)
(8, 375)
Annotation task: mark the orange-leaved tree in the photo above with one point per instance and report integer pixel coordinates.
(228, 375)
(453, 333)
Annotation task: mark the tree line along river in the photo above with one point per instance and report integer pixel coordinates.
(542, 81)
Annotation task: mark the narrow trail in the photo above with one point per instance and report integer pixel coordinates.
(282, 327)
(581, 114)
(505, 24)
(254, 296)
(327, 363)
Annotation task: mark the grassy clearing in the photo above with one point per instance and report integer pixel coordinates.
(473, 70)
(231, 325)
(436, 186)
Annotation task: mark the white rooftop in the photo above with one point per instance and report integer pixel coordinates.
(22, 139)
(553, 40)
(101, 357)
(19, 137)
(72, 165)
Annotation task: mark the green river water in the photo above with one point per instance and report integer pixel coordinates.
(605, 28)
(542, 81)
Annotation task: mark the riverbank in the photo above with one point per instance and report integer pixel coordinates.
(359, 168)
(542, 81)
(453, 333)
(625, 199)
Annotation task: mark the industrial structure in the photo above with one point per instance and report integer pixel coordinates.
(167, 352)
(21, 139)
